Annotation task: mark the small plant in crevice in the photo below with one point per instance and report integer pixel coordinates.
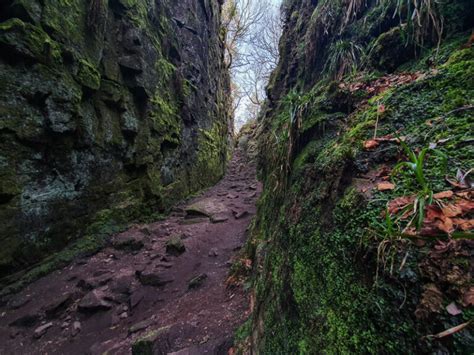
(416, 169)
(421, 17)
(295, 104)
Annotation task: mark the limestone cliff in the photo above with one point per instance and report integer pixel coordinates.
(332, 275)
(110, 110)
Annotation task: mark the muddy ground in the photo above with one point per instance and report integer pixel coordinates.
(158, 288)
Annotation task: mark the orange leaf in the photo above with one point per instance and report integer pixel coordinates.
(400, 203)
(444, 194)
(452, 210)
(385, 186)
(464, 224)
(466, 206)
(446, 225)
(371, 144)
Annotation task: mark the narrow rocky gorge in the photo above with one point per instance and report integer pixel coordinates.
(134, 220)
(158, 288)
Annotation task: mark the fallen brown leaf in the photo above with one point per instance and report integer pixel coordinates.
(449, 331)
(431, 302)
(385, 186)
(444, 194)
(468, 297)
(452, 210)
(464, 224)
(400, 203)
(466, 206)
(371, 144)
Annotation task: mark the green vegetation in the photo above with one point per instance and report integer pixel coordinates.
(334, 274)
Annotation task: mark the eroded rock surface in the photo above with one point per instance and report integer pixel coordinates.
(106, 115)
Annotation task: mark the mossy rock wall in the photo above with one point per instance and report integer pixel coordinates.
(116, 110)
(321, 285)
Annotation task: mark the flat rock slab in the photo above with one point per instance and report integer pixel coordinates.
(219, 218)
(153, 278)
(207, 207)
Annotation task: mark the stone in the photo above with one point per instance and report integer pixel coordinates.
(131, 62)
(41, 330)
(145, 344)
(93, 302)
(206, 207)
(127, 241)
(59, 305)
(76, 328)
(175, 245)
(140, 326)
(213, 252)
(240, 214)
(153, 278)
(122, 284)
(136, 297)
(219, 218)
(197, 281)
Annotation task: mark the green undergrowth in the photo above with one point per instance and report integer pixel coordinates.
(321, 285)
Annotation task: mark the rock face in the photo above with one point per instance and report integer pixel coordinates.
(107, 112)
(319, 284)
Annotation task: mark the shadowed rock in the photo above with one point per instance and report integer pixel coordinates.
(94, 301)
(175, 245)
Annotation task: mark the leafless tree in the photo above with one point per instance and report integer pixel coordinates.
(253, 30)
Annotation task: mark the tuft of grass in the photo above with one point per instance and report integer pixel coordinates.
(416, 167)
(345, 57)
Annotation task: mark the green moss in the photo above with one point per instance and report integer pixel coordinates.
(316, 239)
(65, 20)
(211, 156)
(144, 344)
(88, 75)
(30, 41)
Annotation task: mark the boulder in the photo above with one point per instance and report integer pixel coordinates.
(206, 207)
(94, 301)
(153, 278)
(175, 245)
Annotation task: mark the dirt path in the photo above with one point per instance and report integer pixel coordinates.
(159, 286)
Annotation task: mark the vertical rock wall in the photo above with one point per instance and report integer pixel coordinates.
(330, 275)
(110, 110)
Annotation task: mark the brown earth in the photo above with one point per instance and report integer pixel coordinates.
(163, 281)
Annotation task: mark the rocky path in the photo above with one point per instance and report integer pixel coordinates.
(158, 288)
